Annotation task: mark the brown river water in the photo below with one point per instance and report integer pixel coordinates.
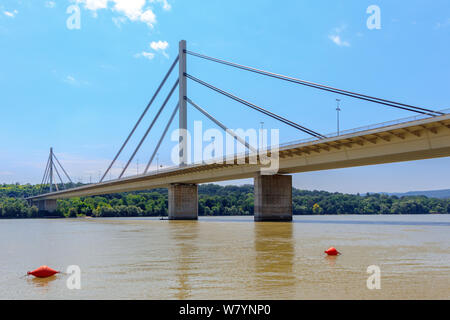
(228, 258)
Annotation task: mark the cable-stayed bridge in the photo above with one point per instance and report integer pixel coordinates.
(424, 136)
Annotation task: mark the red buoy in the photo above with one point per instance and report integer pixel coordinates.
(332, 251)
(43, 272)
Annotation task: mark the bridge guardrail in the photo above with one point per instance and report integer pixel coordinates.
(365, 128)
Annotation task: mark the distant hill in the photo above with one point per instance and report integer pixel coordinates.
(440, 194)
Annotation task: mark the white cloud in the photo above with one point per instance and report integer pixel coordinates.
(148, 17)
(144, 54)
(148, 55)
(69, 79)
(335, 36)
(94, 4)
(11, 14)
(118, 21)
(338, 41)
(166, 6)
(130, 8)
(134, 10)
(159, 45)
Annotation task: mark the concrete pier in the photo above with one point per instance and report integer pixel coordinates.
(183, 202)
(273, 198)
(46, 205)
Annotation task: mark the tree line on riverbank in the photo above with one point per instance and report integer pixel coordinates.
(214, 200)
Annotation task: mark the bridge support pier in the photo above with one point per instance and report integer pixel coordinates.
(46, 205)
(273, 198)
(183, 202)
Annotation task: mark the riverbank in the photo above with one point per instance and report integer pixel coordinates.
(215, 200)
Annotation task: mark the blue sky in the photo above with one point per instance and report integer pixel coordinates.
(81, 90)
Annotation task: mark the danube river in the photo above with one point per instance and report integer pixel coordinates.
(229, 258)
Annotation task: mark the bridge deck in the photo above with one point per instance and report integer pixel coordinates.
(413, 140)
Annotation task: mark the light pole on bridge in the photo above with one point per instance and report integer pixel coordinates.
(338, 109)
(261, 133)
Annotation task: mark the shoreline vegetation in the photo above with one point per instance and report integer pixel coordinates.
(214, 200)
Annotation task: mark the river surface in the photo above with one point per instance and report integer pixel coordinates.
(228, 258)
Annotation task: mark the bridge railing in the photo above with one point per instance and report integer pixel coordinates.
(365, 128)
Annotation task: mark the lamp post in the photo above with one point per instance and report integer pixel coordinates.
(261, 133)
(338, 109)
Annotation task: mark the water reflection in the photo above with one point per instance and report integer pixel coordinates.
(42, 283)
(185, 236)
(331, 260)
(275, 255)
